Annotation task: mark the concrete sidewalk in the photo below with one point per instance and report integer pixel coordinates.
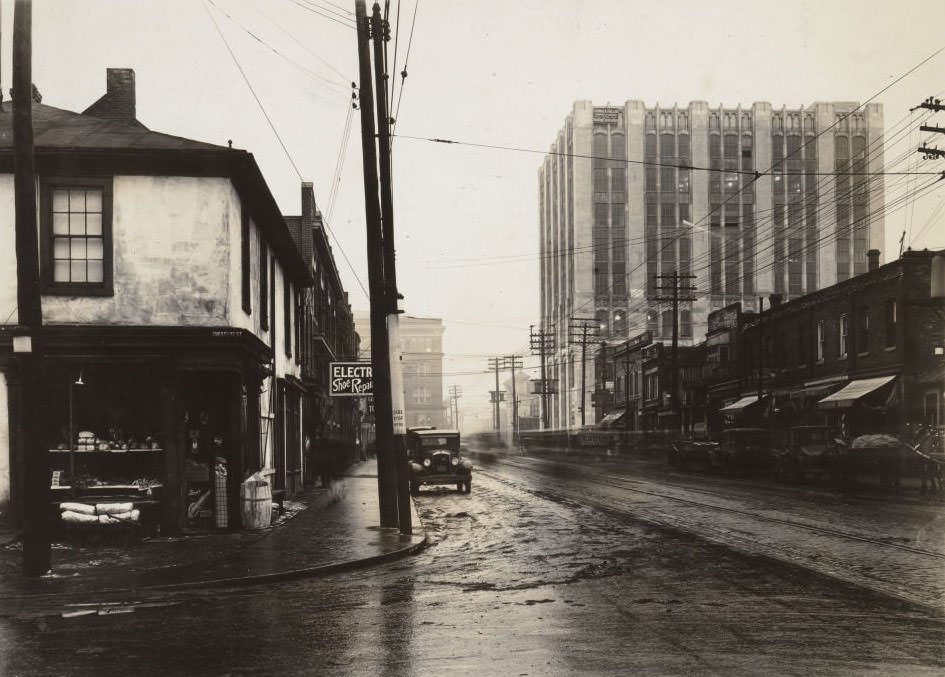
(322, 531)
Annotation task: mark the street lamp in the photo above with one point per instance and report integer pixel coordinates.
(72, 384)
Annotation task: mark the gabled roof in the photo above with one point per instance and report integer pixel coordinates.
(66, 142)
(56, 128)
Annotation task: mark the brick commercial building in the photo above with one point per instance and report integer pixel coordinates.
(750, 201)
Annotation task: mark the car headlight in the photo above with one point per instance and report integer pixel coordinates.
(455, 460)
(427, 463)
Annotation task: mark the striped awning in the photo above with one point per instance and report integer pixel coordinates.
(853, 391)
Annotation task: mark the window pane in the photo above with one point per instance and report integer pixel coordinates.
(61, 271)
(93, 201)
(61, 248)
(78, 271)
(60, 224)
(96, 249)
(96, 271)
(77, 224)
(78, 248)
(60, 200)
(93, 224)
(76, 200)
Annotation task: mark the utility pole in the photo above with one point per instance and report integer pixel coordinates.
(626, 381)
(542, 342)
(761, 343)
(380, 30)
(380, 305)
(675, 288)
(514, 362)
(37, 536)
(455, 392)
(497, 396)
(580, 330)
(934, 105)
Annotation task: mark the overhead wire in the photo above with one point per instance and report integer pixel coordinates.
(344, 78)
(322, 12)
(321, 78)
(253, 91)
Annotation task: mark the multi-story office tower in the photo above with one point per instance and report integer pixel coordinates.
(750, 201)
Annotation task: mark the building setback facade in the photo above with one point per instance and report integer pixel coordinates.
(747, 201)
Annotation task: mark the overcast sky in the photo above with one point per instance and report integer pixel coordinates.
(497, 73)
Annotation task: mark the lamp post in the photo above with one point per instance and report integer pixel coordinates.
(72, 385)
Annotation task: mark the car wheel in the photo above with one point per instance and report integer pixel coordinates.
(459, 486)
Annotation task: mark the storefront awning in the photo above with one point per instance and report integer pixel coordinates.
(738, 405)
(854, 390)
(612, 418)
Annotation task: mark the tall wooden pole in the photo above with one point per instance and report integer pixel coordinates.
(380, 33)
(380, 346)
(37, 535)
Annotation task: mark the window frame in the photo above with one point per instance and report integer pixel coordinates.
(844, 331)
(48, 285)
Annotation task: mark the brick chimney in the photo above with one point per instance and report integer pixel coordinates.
(873, 256)
(118, 103)
(309, 211)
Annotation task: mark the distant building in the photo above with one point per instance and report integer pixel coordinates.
(750, 201)
(421, 340)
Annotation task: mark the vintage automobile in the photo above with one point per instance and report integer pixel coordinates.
(434, 457)
(704, 454)
(748, 451)
(810, 449)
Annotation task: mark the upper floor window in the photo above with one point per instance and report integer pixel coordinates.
(891, 323)
(844, 335)
(863, 331)
(76, 243)
(821, 340)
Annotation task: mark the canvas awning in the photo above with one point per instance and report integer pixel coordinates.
(612, 418)
(853, 391)
(738, 405)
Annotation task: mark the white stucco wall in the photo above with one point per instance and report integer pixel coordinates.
(171, 244)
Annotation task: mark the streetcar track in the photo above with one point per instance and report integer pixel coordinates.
(626, 485)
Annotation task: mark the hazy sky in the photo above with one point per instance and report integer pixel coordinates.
(498, 73)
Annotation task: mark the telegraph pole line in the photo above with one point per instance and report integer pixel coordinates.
(542, 343)
(380, 307)
(934, 105)
(675, 288)
(580, 330)
(514, 362)
(497, 395)
(455, 392)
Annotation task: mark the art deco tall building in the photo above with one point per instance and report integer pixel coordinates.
(750, 201)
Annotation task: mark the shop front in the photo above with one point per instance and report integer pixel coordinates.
(156, 428)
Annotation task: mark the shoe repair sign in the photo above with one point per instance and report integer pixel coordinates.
(351, 379)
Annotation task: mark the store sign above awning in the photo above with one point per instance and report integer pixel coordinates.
(351, 379)
(853, 391)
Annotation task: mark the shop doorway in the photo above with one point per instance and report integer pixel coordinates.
(211, 449)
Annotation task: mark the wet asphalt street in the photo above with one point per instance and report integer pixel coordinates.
(546, 569)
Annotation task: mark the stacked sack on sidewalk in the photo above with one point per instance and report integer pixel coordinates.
(100, 513)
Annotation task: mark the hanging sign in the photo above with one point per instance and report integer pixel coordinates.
(350, 379)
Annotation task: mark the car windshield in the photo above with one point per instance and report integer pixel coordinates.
(439, 442)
